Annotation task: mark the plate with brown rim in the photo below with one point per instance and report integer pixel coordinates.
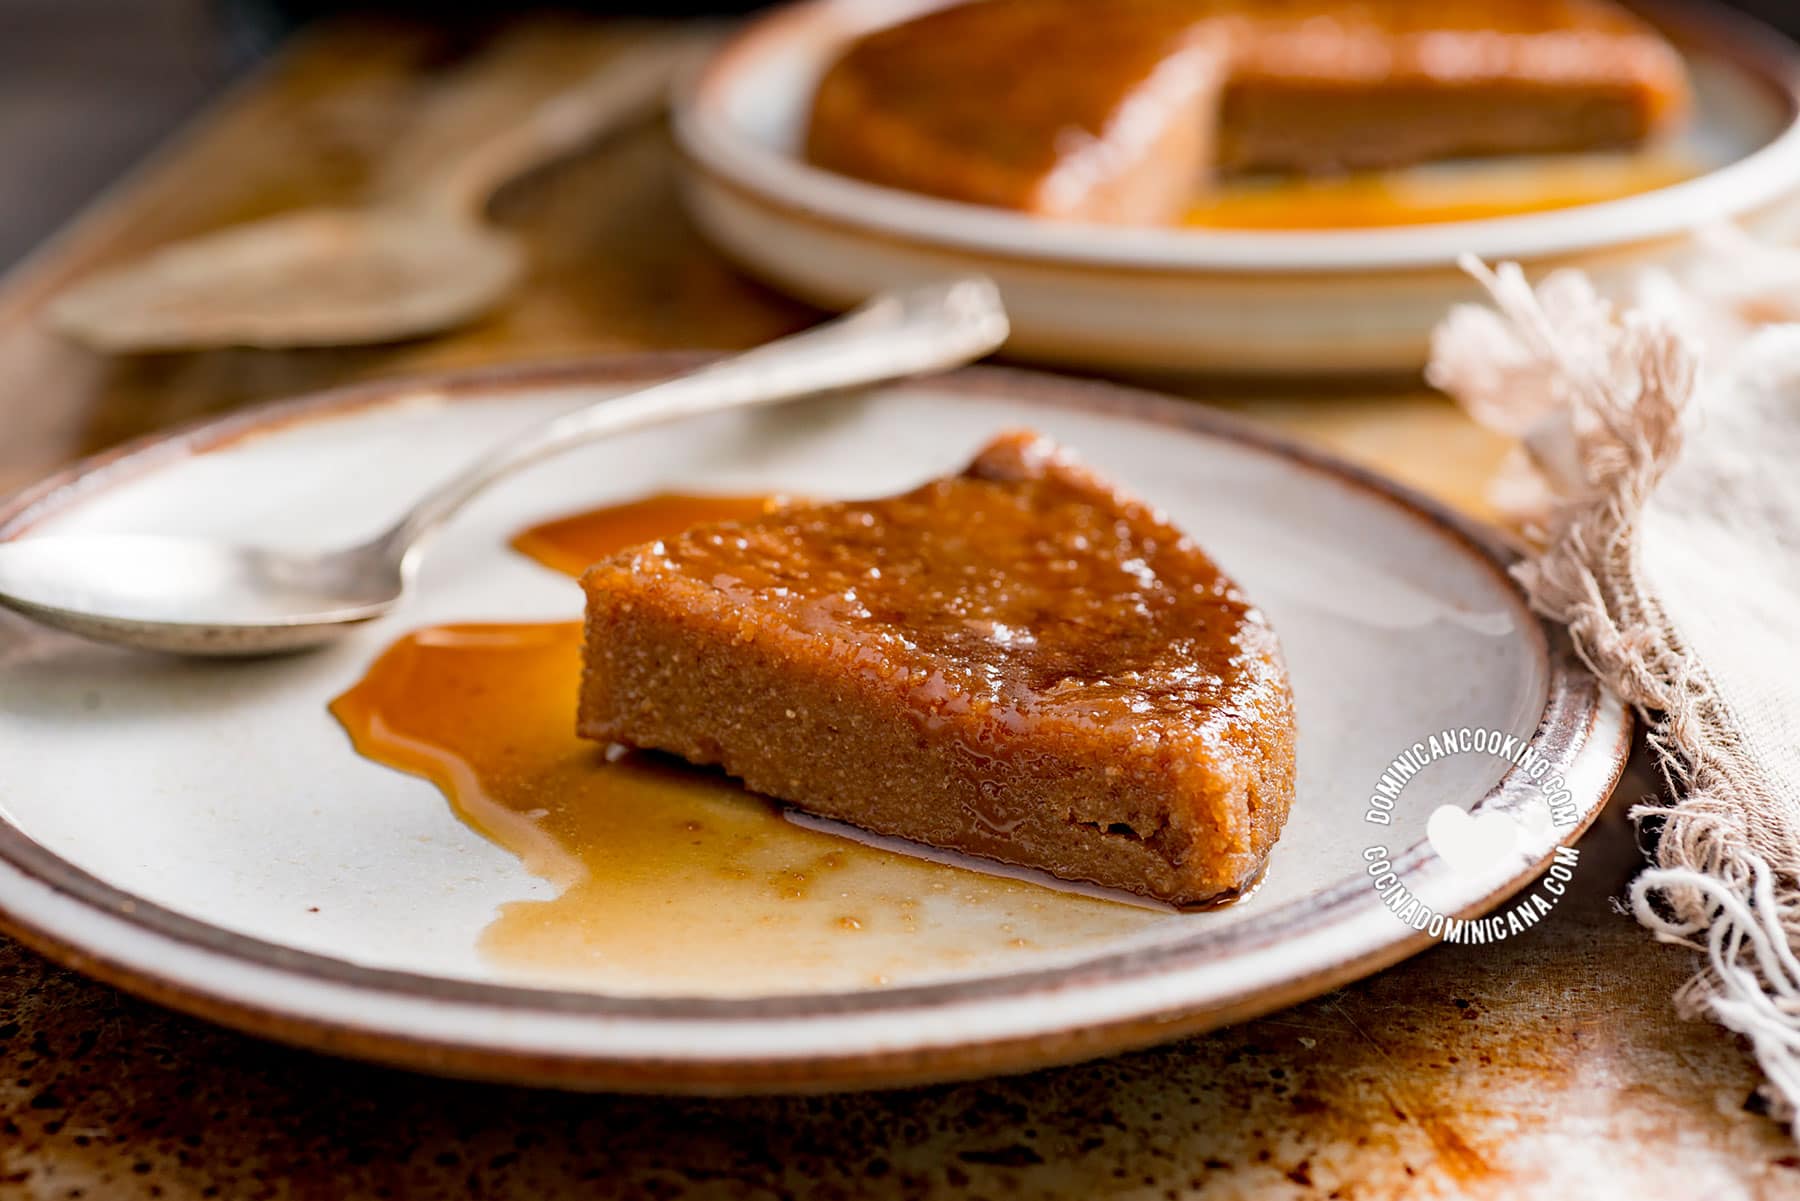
(207, 835)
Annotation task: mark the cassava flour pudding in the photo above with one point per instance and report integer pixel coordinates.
(1017, 662)
(1125, 110)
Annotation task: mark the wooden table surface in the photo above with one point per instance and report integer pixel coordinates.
(1547, 1065)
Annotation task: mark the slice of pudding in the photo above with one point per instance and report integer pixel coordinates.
(1122, 110)
(1017, 662)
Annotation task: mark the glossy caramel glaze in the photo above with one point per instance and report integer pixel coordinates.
(668, 878)
(1016, 661)
(1122, 110)
(1018, 591)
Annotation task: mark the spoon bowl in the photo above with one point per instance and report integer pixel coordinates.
(322, 277)
(191, 596)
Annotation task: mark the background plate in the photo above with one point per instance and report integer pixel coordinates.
(203, 834)
(1185, 299)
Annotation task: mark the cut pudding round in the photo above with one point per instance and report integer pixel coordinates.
(1031, 106)
(1017, 662)
(1121, 110)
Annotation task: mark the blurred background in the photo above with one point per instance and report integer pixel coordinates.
(87, 87)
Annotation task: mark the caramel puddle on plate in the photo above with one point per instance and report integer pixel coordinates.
(1433, 194)
(672, 879)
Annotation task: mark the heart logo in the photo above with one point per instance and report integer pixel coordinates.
(1534, 819)
(1472, 844)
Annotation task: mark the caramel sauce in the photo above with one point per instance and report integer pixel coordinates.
(1433, 195)
(571, 544)
(671, 879)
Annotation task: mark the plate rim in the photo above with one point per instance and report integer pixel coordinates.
(713, 148)
(1581, 723)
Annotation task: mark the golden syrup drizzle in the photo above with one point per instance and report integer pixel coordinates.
(1433, 195)
(570, 544)
(671, 879)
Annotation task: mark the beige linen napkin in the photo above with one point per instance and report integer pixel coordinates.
(1663, 442)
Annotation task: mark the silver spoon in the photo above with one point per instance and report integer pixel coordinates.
(201, 597)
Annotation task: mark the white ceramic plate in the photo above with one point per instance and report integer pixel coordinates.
(202, 833)
(1187, 299)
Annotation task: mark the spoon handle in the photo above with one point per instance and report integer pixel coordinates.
(631, 86)
(895, 335)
